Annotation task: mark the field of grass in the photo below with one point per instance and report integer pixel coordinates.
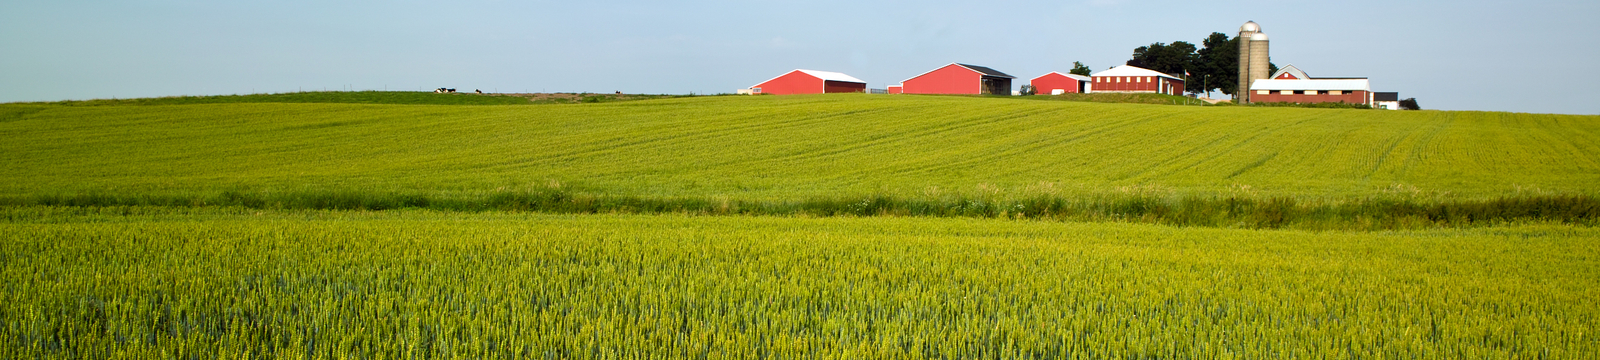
(238, 283)
(417, 225)
(781, 152)
(1122, 98)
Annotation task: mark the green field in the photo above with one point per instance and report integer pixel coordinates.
(775, 147)
(404, 225)
(224, 283)
(820, 155)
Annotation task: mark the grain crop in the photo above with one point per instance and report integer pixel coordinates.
(241, 283)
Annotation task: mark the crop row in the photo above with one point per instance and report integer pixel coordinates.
(1377, 213)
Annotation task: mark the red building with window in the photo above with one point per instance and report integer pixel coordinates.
(1133, 79)
(957, 79)
(1056, 83)
(1291, 85)
(810, 82)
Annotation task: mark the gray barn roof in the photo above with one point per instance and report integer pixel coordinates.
(986, 71)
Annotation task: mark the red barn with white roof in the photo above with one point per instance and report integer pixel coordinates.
(1133, 79)
(1291, 85)
(958, 79)
(802, 81)
(1056, 83)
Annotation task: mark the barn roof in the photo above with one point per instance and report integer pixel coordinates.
(1311, 84)
(824, 75)
(1071, 76)
(1298, 74)
(985, 70)
(831, 76)
(1130, 70)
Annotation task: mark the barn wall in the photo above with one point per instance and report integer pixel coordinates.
(896, 90)
(1151, 84)
(1044, 85)
(795, 82)
(950, 79)
(843, 87)
(1353, 97)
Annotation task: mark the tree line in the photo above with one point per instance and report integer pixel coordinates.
(1213, 66)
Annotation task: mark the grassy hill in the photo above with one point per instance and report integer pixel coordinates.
(249, 250)
(777, 150)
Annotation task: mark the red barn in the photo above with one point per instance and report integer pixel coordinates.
(1291, 85)
(810, 82)
(1133, 79)
(1056, 83)
(958, 79)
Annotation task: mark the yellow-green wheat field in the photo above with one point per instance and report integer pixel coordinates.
(194, 280)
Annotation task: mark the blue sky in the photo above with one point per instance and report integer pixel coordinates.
(1528, 56)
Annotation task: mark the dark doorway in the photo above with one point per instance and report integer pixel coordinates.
(993, 85)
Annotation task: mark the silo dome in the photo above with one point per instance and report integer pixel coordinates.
(1258, 37)
(1250, 26)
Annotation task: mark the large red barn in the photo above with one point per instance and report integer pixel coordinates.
(1133, 79)
(1056, 83)
(958, 79)
(810, 82)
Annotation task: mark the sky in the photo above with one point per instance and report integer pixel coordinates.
(1522, 56)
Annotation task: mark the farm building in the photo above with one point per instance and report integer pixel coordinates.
(810, 82)
(1386, 100)
(1292, 85)
(957, 79)
(1133, 79)
(1056, 83)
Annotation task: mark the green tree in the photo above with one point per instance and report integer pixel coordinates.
(1214, 66)
(1175, 58)
(1218, 65)
(1079, 68)
(1409, 104)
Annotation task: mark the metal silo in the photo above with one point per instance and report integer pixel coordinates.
(1253, 59)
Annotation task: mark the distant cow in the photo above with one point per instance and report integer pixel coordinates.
(479, 91)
